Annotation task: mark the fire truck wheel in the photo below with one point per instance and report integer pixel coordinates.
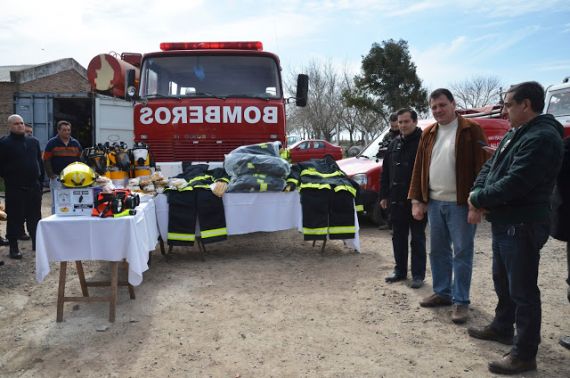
(376, 215)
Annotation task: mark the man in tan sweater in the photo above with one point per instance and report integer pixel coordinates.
(449, 158)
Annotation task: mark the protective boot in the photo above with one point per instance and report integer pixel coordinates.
(15, 252)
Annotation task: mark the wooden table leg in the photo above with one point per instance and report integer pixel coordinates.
(131, 291)
(161, 243)
(61, 290)
(323, 247)
(125, 266)
(114, 289)
(81, 275)
(201, 248)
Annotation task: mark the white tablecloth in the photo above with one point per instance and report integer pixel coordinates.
(68, 238)
(255, 212)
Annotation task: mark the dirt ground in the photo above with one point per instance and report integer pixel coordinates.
(265, 305)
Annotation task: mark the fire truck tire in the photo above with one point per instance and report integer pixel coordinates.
(376, 215)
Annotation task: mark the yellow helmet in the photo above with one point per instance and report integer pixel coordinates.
(77, 175)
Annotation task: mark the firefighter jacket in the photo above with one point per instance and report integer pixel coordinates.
(256, 168)
(397, 170)
(327, 199)
(321, 174)
(196, 202)
(256, 183)
(247, 164)
(268, 149)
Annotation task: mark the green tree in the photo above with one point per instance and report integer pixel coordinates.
(389, 80)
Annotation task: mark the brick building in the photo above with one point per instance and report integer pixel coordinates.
(60, 78)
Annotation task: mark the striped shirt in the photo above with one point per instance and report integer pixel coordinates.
(59, 155)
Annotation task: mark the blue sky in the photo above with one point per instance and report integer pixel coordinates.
(449, 40)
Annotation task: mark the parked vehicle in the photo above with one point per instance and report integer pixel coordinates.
(557, 103)
(291, 139)
(196, 101)
(366, 167)
(314, 149)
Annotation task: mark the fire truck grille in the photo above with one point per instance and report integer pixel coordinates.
(203, 150)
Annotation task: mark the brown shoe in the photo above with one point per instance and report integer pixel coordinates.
(435, 300)
(489, 333)
(460, 313)
(511, 365)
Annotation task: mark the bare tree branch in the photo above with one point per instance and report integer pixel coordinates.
(321, 116)
(477, 92)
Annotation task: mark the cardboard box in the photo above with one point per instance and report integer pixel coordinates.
(74, 202)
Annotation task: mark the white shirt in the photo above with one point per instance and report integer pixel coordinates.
(442, 181)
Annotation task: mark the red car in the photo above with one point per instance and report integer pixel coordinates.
(313, 149)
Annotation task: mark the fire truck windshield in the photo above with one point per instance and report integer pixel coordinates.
(219, 76)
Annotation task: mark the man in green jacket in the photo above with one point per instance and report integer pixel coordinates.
(514, 189)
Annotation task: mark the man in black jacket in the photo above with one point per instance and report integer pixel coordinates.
(514, 189)
(560, 228)
(394, 184)
(22, 169)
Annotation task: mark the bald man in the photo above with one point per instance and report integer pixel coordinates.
(22, 169)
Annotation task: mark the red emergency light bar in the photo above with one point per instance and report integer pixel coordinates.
(248, 45)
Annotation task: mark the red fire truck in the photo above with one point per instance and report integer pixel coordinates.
(196, 101)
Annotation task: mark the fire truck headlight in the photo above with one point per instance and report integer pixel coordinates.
(360, 179)
(131, 91)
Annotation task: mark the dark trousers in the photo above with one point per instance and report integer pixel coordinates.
(516, 256)
(23, 204)
(401, 229)
(326, 212)
(188, 207)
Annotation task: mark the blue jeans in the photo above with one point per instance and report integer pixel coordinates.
(516, 254)
(451, 270)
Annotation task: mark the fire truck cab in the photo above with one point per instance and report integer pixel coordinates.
(196, 101)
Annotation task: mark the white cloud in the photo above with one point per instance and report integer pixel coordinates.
(464, 56)
(555, 65)
(511, 8)
(414, 7)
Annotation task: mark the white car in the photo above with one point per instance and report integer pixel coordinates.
(557, 103)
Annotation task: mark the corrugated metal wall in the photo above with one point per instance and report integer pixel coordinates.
(37, 109)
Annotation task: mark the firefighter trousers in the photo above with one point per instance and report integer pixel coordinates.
(188, 206)
(326, 212)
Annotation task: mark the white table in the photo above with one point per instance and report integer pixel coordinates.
(83, 238)
(255, 212)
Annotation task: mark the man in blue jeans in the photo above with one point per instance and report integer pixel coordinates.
(449, 157)
(514, 189)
